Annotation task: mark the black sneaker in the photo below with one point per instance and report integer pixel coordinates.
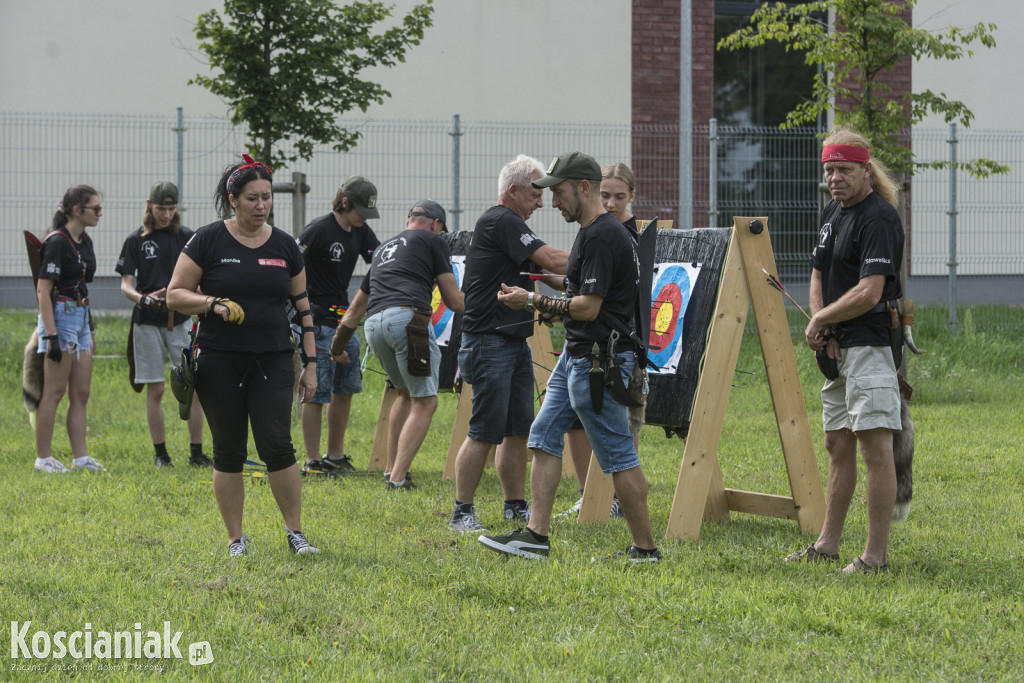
(516, 512)
(163, 461)
(200, 460)
(405, 485)
(298, 544)
(342, 465)
(634, 555)
(520, 542)
(239, 547)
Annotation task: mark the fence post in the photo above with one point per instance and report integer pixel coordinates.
(455, 208)
(179, 130)
(686, 201)
(298, 189)
(952, 227)
(713, 174)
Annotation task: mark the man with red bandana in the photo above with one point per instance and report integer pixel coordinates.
(856, 270)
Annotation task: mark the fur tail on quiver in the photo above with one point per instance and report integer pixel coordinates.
(32, 378)
(903, 456)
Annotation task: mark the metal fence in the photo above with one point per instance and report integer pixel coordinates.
(756, 171)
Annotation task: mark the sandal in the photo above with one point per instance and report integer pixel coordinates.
(859, 566)
(811, 554)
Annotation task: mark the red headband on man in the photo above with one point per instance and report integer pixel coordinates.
(859, 155)
(249, 163)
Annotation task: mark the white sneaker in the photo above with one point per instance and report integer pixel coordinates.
(467, 523)
(50, 465)
(87, 463)
(574, 510)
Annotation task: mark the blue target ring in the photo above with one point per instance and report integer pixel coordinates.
(671, 295)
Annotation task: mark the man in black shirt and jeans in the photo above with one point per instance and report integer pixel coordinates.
(602, 277)
(494, 355)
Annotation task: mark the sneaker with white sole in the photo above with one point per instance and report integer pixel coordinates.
(239, 547)
(87, 463)
(616, 509)
(466, 522)
(50, 465)
(633, 555)
(574, 510)
(298, 544)
(516, 512)
(520, 542)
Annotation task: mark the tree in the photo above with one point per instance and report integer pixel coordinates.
(289, 68)
(869, 38)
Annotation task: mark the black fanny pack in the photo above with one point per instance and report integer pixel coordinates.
(417, 334)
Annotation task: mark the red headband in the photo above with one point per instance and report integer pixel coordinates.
(249, 163)
(844, 153)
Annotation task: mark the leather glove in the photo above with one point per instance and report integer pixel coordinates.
(154, 303)
(53, 353)
(235, 313)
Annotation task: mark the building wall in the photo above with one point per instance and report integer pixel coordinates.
(494, 61)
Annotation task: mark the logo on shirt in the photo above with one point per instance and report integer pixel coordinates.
(336, 250)
(823, 234)
(590, 281)
(149, 249)
(53, 268)
(229, 260)
(527, 238)
(387, 251)
(877, 260)
(278, 262)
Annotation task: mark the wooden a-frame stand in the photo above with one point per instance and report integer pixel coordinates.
(700, 491)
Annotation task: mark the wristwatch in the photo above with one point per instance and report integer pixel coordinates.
(529, 308)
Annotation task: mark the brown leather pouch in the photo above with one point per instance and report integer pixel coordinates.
(418, 336)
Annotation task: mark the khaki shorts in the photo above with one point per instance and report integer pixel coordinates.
(154, 343)
(866, 395)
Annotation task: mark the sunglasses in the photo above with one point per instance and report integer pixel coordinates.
(98, 209)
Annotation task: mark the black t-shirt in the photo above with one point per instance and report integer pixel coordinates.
(257, 279)
(151, 259)
(331, 253)
(864, 239)
(630, 224)
(68, 263)
(500, 249)
(404, 269)
(602, 261)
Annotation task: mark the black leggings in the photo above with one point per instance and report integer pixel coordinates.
(238, 388)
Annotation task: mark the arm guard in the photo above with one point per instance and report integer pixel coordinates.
(341, 339)
(547, 304)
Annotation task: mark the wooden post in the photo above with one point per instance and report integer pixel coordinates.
(379, 452)
(700, 490)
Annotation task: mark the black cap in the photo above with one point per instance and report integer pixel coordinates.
(363, 194)
(164, 193)
(428, 208)
(570, 166)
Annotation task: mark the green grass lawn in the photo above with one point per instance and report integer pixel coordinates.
(395, 595)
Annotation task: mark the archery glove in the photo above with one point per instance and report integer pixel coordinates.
(235, 313)
(54, 353)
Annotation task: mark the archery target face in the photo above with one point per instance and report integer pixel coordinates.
(442, 316)
(670, 296)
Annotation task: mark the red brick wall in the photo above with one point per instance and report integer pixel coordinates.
(655, 100)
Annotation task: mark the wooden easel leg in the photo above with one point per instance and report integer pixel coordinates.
(597, 494)
(379, 452)
(459, 430)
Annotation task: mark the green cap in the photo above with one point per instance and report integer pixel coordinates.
(363, 194)
(164, 193)
(570, 166)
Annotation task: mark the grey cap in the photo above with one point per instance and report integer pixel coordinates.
(428, 208)
(570, 166)
(363, 194)
(164, 192)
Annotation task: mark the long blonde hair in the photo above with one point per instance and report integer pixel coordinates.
(882, 181)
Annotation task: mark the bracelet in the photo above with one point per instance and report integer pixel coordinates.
(529, 307)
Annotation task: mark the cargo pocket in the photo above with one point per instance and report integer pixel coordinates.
(874, 395)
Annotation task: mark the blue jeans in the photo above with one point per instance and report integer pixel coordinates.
(568, 395)
(331, 377)
(385, 335)
(73, 331)
(500, 369)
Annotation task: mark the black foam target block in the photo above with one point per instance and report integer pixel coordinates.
(458, 243)
(670, 402)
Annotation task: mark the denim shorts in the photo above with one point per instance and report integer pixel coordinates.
(500, 369)
(331, 377)
(866, 395)
(568, 396)
(385, 336)
(73, 331)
